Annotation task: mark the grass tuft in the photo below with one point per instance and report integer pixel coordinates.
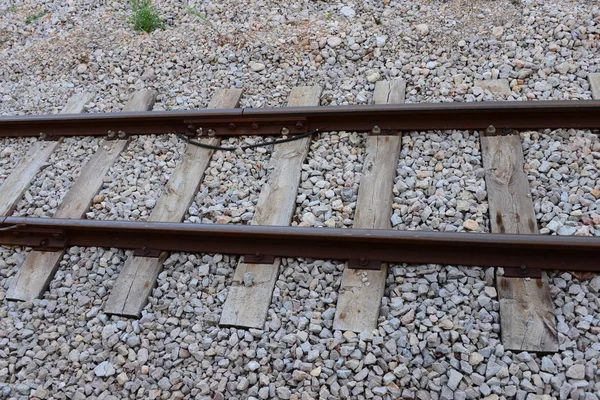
(34, 17)
(145, 16)
(196, 13)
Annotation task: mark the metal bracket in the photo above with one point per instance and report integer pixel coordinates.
(146, 252)
(377, 131)
(259, 258)
(52, 241)
(523, 272)
(492, 131)
(48, 138)
(41, 239)
(112, 135)
(234, 126)
(363, 263)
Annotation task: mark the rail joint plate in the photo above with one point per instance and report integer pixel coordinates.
(235, 126)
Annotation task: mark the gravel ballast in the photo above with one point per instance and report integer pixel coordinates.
(438, 334)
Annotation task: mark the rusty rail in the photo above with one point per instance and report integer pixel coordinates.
(377, 119)
(527, 253)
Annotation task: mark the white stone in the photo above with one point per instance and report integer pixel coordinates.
(471, 225)
(422, 29)
(576, 371)
(542, 86)
(257, 67)
(104, 369)
(373, 76)
(566, 230)
(454, 378)
(495, 86)
(381, 40)
(347, 11)
(490, 291)
(253, 365)
(334, 41)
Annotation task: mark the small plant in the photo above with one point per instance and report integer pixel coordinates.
(196, 13)
(145, 17)
(35, 17)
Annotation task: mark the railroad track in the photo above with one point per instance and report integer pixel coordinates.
(526, 310)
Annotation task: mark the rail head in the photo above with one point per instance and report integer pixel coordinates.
(388, 118)
(532, 252)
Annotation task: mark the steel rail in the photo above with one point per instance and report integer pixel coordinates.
(388, 119)
(415, 247)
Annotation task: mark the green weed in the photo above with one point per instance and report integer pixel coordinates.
(145, 16)
(35, 17)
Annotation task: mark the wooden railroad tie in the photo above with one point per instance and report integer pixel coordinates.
(362, 289)
(136, 280)
(247, 306)
(39, 267)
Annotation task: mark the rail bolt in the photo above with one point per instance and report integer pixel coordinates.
(299, 125)
(211, 132)
(231, 126)
(43, 135)
(376, 130)
(285, 131)
(491, 130)
(258, 256)
(122, 135)
(254, 125)
(111, 135)
(507, 131)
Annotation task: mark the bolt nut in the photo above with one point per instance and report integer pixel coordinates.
(285, 131)
(211, 132)
(254, 125)
(111, 134)
(231, 126)
(507, 131)
(299, 125)
(43, 135)
(376, 130)
(491, 130)
(121, 135)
